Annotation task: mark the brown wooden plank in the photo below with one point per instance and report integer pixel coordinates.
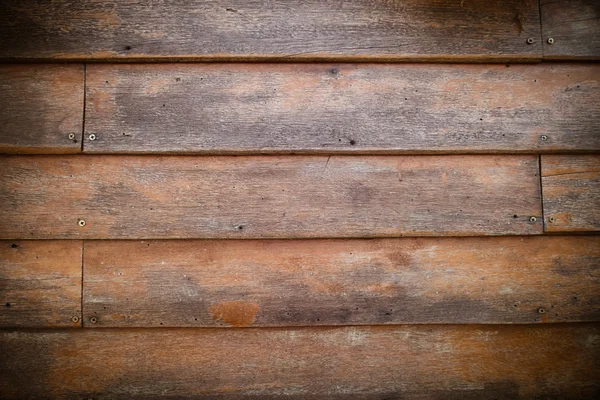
(141, 197)
(571, 187)
(408, 362)
(571, 29)
(341, 282)
(441, 30)
(40, 284)
(365, 108)
(41, 108)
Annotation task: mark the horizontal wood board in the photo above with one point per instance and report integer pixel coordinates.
(571, 187)
(571, 29)
(312, 30)
(40, 284)
(414, 362)
(342, 108)
(41, 108)
(175, 197)
(202, 283)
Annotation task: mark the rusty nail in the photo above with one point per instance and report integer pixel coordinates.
(92, 137)
(541, 310)
(530, 40)
(552, 219)
(550, 40)
(532, 219)
(93, 320)
(75, 319)
(71, 136)
(81, 222)
(544, 137)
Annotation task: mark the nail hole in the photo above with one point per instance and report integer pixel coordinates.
(127, 48)
(353, 142)
(7, 304)
(14, 245)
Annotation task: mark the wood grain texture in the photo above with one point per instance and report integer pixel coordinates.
(40, 106)
(347, 108)
(141, 197)
(341, 282)
(574, 27)
(408, 362)
(441, 30)
(40, 284)
(571, 187)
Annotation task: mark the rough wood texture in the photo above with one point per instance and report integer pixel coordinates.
(40, 284)
(414, 362)
(369, 108)
(444, 30)
(571, 187)
(40, 106)
(341, 282)
(574, 27)
(140, 197)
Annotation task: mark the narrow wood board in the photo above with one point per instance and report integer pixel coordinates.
(408, 362)
(341, 282)
(573, 27)
(347, 108)
(571, 187)
(312, 30)
(40, 284)
(179, 197)
(40, 106)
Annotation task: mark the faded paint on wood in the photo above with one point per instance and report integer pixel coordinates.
(140, 197)
(41, 108)
(348, 108)
(440, 30)
(40, 284)
(571, 29)
(571, 188)
(341, 282)
(445, 362)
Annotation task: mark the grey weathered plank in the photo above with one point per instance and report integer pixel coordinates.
(141, 197)
(571, 188)
(341, 282)
(40, 284)
(408, 362)
(365, 108)
(40, 106)
(571, 29)
(441, 30)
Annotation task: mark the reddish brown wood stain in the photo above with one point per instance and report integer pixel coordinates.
(235, 313)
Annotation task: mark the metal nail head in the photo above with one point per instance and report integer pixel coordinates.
(93, 320)
(552, 219)
(530, 40)
(92, 137)
(544, 137)
(81, 222)
(75, 319)
(550, 40)
(532, 219)
(71, 136)
(541, 310)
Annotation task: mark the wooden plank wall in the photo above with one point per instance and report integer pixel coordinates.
(356, 199)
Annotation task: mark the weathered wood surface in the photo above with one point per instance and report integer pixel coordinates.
(441, 30)
(40, 106)
(440, 362)
(573, 27)
(368, 108)
(40, 284)
(571, 188)
(141, 197)
(341, 282)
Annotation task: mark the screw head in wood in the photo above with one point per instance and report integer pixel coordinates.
(75, 319)
(532, 219)
(71, 136)
(530, 40)
(92, 137)
(551, 219)
(93, 320)
(81, 222)
(550, 40)
(544, 137)
(541, 310)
